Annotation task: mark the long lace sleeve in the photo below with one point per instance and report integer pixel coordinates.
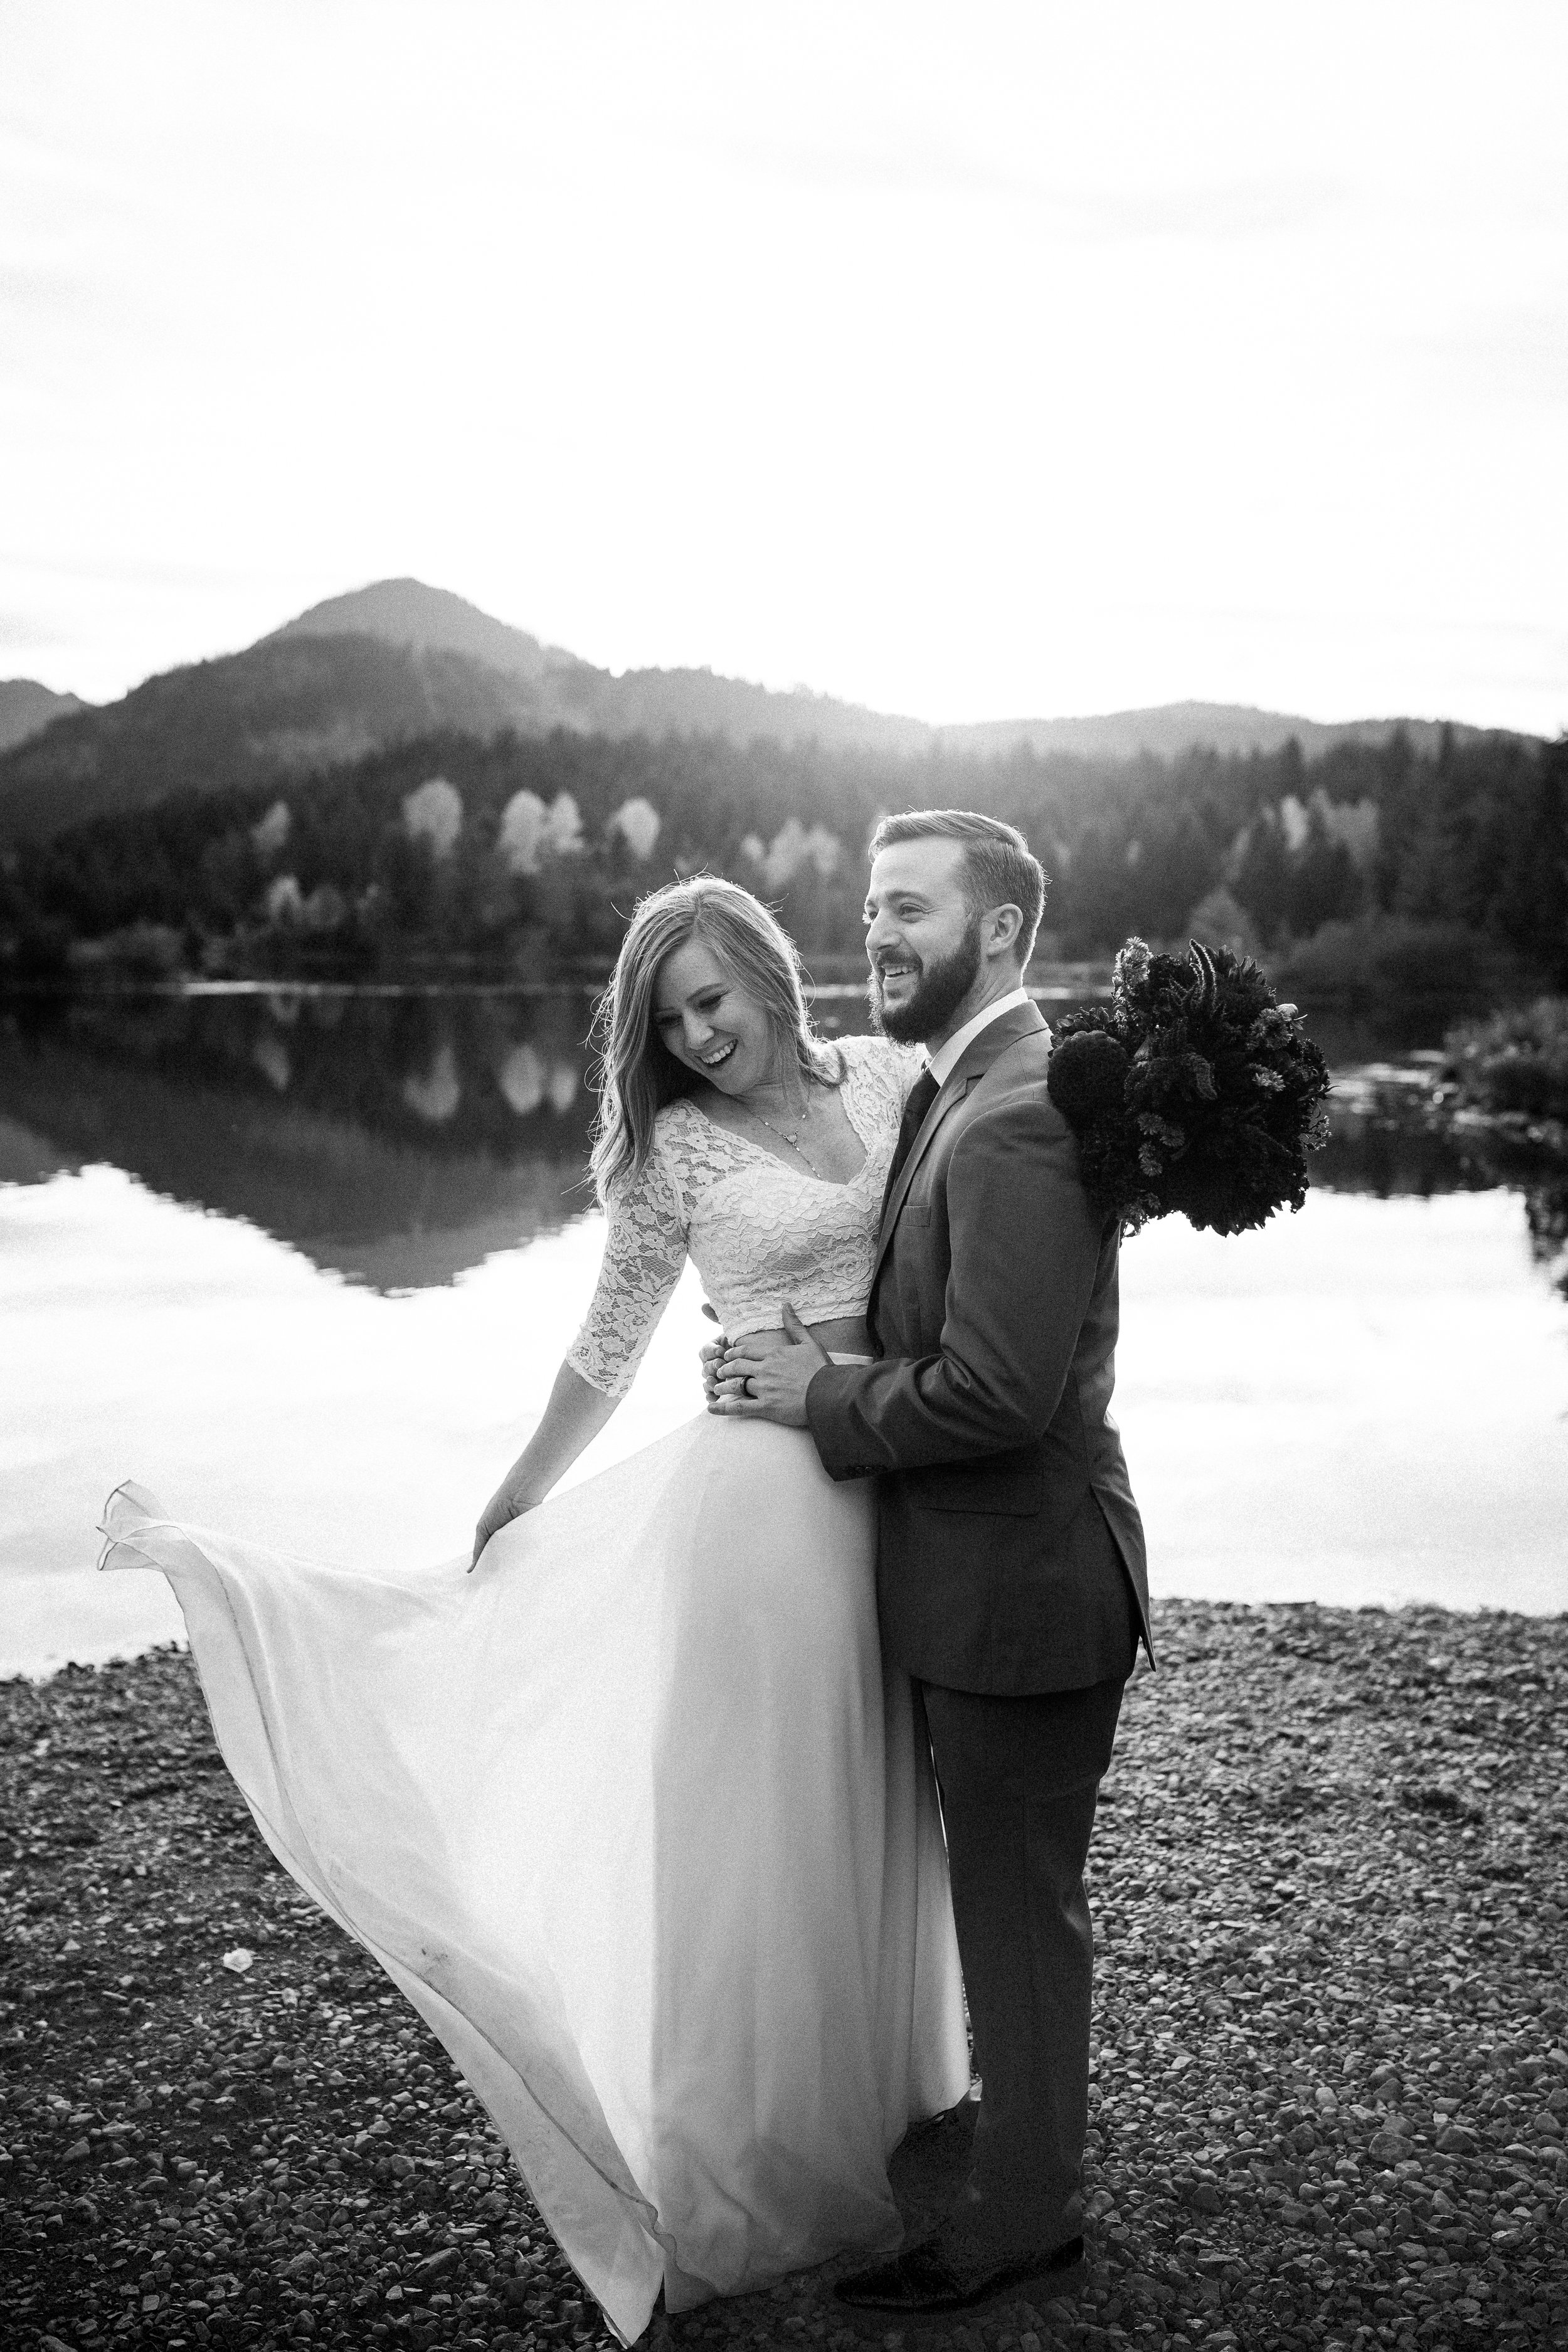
(643, 1254)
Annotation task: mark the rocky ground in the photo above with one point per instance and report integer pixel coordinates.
(1330, 2086)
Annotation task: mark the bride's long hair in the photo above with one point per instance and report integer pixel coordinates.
(638, 1073)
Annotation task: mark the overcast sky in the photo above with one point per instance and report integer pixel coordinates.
(973, 362)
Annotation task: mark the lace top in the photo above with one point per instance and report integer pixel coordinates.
(757, 1231)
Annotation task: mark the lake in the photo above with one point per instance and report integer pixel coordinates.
(304, 1260)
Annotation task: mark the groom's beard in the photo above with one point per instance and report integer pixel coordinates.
(938, 990)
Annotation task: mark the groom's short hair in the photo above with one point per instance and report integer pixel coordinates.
(999, 867)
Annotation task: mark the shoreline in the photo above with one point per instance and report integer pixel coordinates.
(38, 1677)
(1330, 2091)
(1465, 1611)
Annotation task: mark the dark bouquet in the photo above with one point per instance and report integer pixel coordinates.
(1194, 1089)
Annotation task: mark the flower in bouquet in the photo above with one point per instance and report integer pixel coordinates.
(1194, 1089)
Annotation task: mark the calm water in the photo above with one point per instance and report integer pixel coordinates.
(305, 1265)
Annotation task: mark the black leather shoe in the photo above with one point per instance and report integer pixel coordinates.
(950, 2273)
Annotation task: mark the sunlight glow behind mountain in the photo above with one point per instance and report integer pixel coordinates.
(1036, 361)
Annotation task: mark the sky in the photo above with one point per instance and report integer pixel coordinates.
(972, 363)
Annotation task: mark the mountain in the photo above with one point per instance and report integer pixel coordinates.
(427, 620)
(398, 659)
(288, 704)
(570, 692)
(26, 709)
(1172, 727)
(573, 693)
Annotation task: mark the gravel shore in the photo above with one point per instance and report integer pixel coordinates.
(1332, 2079)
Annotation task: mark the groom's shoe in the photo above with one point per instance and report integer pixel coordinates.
(928, 2168)
(950, 2270)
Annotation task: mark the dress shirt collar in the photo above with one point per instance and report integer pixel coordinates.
(945, 1060)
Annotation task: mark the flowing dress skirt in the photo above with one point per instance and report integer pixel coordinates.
(636, 1817)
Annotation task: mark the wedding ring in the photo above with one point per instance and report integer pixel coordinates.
(746, 1388)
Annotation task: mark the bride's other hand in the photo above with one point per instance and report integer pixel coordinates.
(509, 1502)
(758, 1383)
(710, 1358)
(576, 1414)
(722, 1376)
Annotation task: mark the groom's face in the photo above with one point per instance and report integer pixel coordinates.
(922, 938)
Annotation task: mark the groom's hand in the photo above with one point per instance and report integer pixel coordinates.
(759, 1384)
(711, 1358)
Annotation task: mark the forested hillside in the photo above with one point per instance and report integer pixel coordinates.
(399, 661)
(283, 708)
(524, 854)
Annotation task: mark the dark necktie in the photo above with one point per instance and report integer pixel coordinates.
(923, 1094)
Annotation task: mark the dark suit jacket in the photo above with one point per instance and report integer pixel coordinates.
(1010, 1551)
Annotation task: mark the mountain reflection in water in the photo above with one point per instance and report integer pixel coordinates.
(400, 1136)
(396, 1138)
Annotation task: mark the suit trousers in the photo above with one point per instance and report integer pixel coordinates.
(1019, 1780)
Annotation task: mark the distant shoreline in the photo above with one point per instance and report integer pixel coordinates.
(829, 975)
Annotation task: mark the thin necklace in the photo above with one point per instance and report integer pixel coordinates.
(787, 1135)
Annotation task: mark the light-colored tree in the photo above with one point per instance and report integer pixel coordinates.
(520, 841)
(1219, 920)
(1296, 822)
(784, 854)
(637, 823)
(529, 832)
(270, 833)
(271, 1057)
(825, 851)
(564, 826)
(1354, 824)
(521, 1079)
(285, 901)
(433, 811)
(436, 1094)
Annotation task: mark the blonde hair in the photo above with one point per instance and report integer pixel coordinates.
(638, 1073)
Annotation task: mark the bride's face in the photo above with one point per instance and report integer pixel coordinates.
(706, 1021)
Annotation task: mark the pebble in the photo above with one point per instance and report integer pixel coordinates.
(1330, 2083)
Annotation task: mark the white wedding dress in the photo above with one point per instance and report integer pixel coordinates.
(635, 1815)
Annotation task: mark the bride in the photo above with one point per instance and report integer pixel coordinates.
(634, 1814)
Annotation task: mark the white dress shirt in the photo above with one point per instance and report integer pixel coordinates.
(945, 1059)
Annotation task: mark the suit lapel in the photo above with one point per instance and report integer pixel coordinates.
(966, 1072)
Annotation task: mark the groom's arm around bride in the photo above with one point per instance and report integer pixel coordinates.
(1011, 1576)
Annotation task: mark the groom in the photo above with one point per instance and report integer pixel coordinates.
(1011, 1578)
